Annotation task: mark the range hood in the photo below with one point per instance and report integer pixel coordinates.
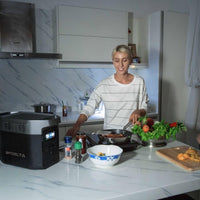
(17, 31)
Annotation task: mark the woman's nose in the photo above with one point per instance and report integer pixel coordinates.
(121, 63)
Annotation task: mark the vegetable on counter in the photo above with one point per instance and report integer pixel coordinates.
(147, 129)
(190, 154)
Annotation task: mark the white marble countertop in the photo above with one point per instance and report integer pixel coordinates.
(140, 175)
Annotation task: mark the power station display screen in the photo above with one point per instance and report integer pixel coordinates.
(50, 135)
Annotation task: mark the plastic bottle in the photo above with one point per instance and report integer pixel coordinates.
(68, 153)
(78, 147)
(68, 144)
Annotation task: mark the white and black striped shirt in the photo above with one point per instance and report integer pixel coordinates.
(120, 100)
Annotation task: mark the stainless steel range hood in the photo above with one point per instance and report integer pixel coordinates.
(17, 31)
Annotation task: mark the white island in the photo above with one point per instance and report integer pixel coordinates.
(140, 175)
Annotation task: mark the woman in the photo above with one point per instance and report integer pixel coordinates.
(123, 94)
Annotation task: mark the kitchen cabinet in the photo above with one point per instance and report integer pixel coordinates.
(89, 34)
(174, 90)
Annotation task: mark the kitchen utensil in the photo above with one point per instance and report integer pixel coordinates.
(128, 137)
(127, 125)
(171, 155)
(96, 139)
(125, 133)
(107, 134)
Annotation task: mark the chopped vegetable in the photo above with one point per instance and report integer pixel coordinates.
(101, 154)
(190, 154)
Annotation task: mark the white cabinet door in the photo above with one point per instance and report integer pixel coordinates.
(92, 22)
(89, 34)
(174, 90)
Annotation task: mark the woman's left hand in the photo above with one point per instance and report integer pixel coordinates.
(136, 115)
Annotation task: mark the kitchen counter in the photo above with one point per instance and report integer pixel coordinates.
(140, 174)
(97, 117)
(73, 116)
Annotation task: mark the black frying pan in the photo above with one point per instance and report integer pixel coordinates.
(127, 137)
(117, 140)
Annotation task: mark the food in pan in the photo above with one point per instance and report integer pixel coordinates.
(114, 135)
(190, 154)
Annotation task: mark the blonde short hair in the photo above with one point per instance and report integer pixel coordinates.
(124, 49)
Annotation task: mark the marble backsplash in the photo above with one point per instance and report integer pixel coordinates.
(31, 81)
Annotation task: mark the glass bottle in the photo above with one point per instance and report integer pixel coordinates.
(78, 147)
(81, 137)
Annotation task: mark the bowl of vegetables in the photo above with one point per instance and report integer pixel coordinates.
(157, 133)
(104, 156)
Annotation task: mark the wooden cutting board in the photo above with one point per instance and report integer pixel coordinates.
(171, 155)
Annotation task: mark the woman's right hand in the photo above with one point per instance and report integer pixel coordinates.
(73, 131)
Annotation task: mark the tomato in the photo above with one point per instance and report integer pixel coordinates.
(145, 128)
(174, 124)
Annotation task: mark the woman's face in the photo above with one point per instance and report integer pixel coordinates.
(121, 61)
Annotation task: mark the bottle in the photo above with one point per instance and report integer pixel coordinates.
(78, 156)
(81, 137)
(64, 111)
(68, 153)
(68, 144)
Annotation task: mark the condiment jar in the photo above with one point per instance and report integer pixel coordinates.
(68, 144)
(78, 156)
(81, 137)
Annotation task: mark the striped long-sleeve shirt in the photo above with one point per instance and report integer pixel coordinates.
(120, 100)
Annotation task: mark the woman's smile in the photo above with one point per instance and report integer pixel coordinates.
(121, 62)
